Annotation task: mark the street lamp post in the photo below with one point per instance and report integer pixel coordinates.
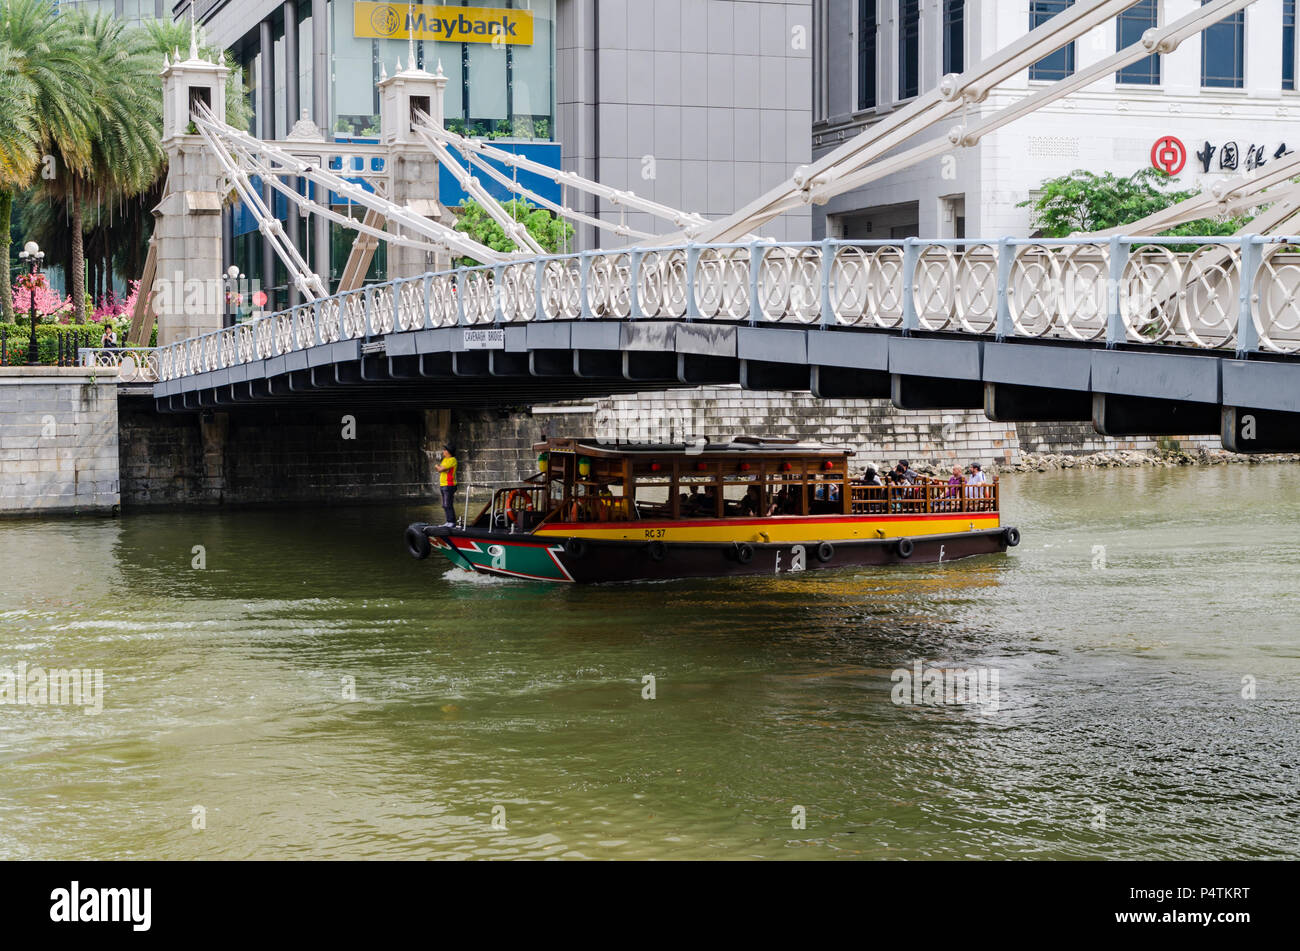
(32, 255)
(233, 281)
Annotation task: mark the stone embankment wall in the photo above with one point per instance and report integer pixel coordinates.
(496, 447)
(58, 441)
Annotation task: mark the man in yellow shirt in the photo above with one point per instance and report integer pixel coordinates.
(447, 483)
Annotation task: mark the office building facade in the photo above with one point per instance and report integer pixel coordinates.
(698, 104)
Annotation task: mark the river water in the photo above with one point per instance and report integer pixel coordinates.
(1143, 637)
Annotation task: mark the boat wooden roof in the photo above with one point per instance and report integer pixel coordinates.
(759, 446)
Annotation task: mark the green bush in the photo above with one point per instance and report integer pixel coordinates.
(1084, 201)
(15, 338)
(550, 232)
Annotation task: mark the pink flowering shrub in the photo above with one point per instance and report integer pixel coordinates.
(49, 303)
(111, 306)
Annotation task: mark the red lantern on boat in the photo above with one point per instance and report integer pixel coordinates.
(701, 467)
(828, 464)
(786, 467)
(655, 467)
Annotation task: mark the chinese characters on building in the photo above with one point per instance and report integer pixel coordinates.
(1227, 156)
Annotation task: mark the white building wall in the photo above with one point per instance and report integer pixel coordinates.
(1106, 127)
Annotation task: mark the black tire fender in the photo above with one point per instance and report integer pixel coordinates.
(576, 547)
(744, 553)
(905, 547)
(657, 550)
(825, 552)
(417, 543)
(1012, 535)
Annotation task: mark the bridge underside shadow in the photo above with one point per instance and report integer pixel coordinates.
(482, 379)
(1253, 406)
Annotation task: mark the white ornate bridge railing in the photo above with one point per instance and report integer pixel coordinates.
(132, 364)
(1225, 293)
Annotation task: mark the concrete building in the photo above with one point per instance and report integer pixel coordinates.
(698, 104)
(1228, 97)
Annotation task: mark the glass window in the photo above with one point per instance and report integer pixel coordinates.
(1288, 44)
(1129, 27)
(485, 85)
(954, 36)
(531, 88)
(1223, 52)
(492, 90)
(355, 64)
(867, 24)
(909, 48)
(1056, 65)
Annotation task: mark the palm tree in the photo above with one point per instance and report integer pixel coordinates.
(155, 39)
(124, 151)
(19, 152)
(167, 38)
(44, 65)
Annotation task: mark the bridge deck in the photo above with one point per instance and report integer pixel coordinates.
(1138, 336)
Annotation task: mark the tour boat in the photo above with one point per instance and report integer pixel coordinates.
(598, 512)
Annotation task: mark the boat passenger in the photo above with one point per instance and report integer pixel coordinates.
(704, 504)
(447, 484)
(752, 503)
(975, 485)
(904, 491)
(954, 487)
(875, 500)
(783, 504)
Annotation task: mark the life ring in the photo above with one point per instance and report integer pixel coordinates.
(513, 513)
(417, 543)
(1012, 536)
(744, 553)
(905, 547)
(658, 551)
(576, 547)
(825, 552)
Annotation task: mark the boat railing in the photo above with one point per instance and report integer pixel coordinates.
(924, 498)
(521, 506)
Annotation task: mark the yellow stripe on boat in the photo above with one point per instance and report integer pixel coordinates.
(789, 529)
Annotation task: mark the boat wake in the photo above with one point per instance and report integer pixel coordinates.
(469, 576)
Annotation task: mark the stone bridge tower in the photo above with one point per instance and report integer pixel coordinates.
(188, 290)
(413, 172)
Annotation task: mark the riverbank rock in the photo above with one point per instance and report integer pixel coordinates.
(1129, 459)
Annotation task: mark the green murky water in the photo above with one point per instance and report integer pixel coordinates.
(1120, 730)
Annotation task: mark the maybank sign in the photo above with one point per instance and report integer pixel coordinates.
(391, 21)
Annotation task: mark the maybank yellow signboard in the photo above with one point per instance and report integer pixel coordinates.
(392, 21)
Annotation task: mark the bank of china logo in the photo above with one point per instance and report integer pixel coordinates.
(385, 20)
